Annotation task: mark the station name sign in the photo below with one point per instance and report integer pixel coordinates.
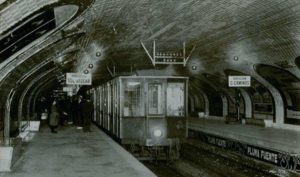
(279, 158)
(263, 154)
(78, 79)
(239, 81)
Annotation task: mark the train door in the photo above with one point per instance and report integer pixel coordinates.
(105, 105)
(118, 104)
(98, 106)
(115, 107)
(108, 106)
(111, 107)
(94, 92)
(102, 107)
(156, 107)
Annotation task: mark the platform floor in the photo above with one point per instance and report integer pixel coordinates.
(271, 138)
(72, 153)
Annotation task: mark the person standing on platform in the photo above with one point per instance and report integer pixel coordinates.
(78, 109)
(74, 109)
(86, 112)
(41, 108)
(63, 115)
(54, 117)
(68, 110)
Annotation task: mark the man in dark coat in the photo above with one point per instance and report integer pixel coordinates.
(74, 110)
(41, 108)
(54, 117)
(86, 113)
(78, 114)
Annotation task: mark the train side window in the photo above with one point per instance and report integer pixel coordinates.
(133, 99)
(175, 99)
(155, 99)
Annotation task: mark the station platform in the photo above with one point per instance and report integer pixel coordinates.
(271, 138)
(72, 153)
(279, 147)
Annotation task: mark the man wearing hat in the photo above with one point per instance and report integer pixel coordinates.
(86, 113)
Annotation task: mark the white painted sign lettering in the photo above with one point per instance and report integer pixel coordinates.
(79, 79)
(239, 81)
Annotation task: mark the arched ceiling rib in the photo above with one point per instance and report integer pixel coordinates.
(265, 32)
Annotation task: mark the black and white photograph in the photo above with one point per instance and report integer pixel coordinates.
(149, 88)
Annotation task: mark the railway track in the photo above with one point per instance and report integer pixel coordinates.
(200, 162)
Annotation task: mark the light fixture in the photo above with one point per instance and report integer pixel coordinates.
(235, 58)
(91, 66)
(98, 54)
(194, 67)
(157, 133)
(86, 71)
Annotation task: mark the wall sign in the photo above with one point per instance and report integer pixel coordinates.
(278, 158)
(67, 89)
(239, 81)
(79, 79)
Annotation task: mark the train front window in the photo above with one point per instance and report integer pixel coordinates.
(155, 99)
(175, 99)
(133, 99)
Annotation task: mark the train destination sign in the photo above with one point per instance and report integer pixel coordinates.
(79, 79)
(239, 81)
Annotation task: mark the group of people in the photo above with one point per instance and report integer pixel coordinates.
(77, 110)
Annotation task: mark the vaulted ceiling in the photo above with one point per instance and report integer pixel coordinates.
(227, 35)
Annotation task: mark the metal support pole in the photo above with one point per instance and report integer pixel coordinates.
(6, 125)
(114, 70)
(188, 57)
(110, 72)
(237, 100)
(7, 118)
(238, 112)
(154, 55)
(184, 50)
(147, 52)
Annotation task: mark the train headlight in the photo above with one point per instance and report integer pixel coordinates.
(157, 132)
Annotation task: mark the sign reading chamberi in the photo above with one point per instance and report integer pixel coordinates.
(79, 79)
(239, 81)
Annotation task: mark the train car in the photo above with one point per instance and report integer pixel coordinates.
(146, 114)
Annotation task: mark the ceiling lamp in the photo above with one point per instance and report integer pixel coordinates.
(235, 58)
(98, 54)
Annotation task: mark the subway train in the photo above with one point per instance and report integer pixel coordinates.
(147, 115)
